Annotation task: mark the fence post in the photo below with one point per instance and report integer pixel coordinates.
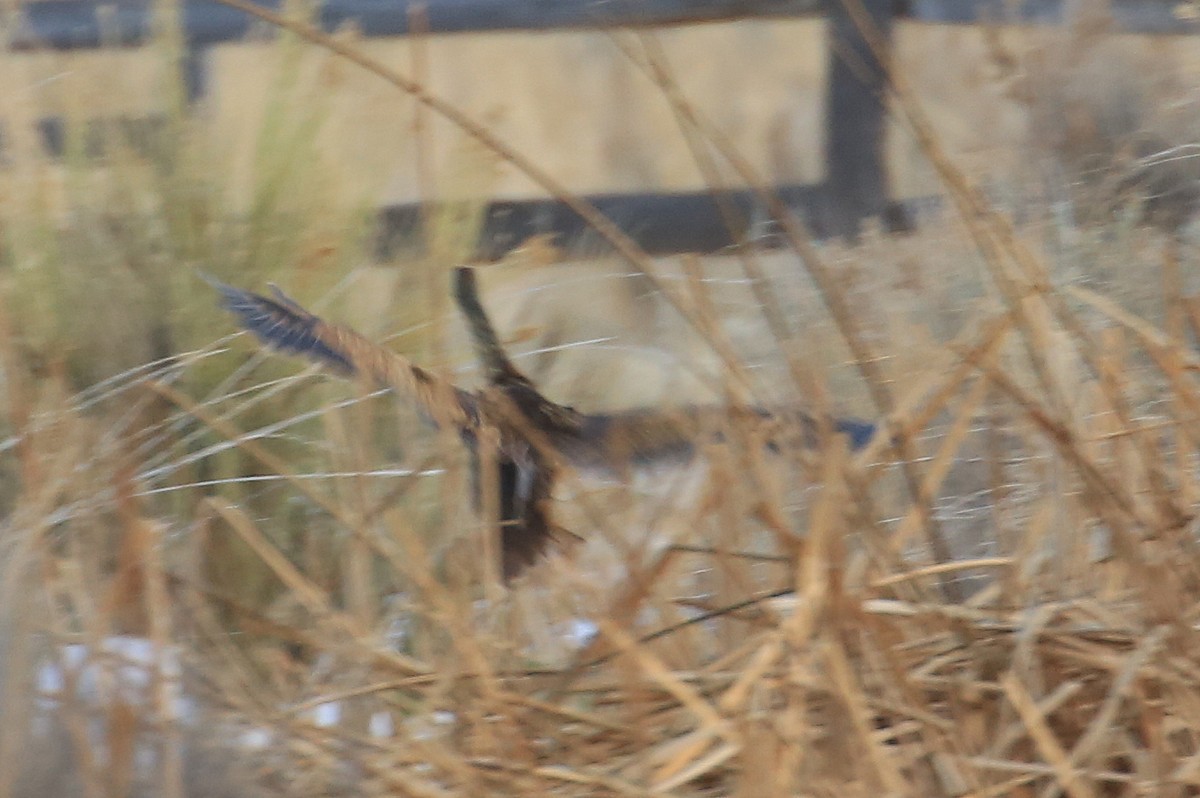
(856, 180)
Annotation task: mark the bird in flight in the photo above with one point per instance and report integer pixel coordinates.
(535, 439)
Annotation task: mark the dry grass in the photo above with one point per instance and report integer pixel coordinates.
(229, 576)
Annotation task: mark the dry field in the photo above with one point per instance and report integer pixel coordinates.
(225, 573)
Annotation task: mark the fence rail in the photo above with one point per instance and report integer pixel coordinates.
(69, 24)
(75, 24)
(856, 177)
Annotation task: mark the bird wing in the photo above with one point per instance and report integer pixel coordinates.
(543, 416)
(281, 323)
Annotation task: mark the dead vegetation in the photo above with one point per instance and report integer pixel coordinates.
(224, 576)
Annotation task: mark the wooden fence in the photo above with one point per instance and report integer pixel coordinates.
(855, 185)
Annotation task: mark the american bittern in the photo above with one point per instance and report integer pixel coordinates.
(535, 437)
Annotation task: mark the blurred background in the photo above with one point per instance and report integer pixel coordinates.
(226, 574)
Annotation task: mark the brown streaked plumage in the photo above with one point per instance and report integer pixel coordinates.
(536, 437)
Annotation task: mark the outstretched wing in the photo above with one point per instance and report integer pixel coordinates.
(281, 323)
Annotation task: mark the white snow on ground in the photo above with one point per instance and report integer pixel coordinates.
(125, 669)
(580, 631)
(381, 726)
(325, 715)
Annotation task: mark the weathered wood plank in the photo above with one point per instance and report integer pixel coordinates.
(856, 175)
(71, 24)
(659, 223)
(1128, 16)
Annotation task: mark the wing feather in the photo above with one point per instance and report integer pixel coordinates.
(549, 418)
(282, 324)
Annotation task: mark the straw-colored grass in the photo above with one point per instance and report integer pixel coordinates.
(225, 574)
